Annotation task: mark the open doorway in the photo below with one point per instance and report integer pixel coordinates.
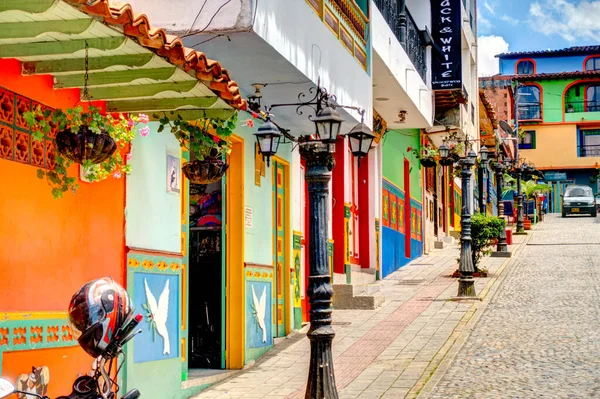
(206, 275)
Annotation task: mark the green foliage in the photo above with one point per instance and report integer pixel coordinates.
(120, 128)
(484, 229)
(426, 152)
(205, 138)
(528, 187)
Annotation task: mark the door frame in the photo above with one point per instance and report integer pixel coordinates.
(286, 244)
(234, 257)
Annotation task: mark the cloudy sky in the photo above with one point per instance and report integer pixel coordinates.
(519, 25)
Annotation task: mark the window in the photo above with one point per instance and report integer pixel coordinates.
(589, 143)
(527, 142)
(525, 67)
(592, 99)
(592, 64)
(529, 104)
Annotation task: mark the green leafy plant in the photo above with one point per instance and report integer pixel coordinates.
(204, 138)
(484, 229)
(122, 129)
(529, 187)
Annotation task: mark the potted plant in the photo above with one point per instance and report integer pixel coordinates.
(205, 139)
(86, 137)
(427, 155)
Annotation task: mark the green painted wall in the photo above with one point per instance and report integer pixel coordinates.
(395, 144)
(552, 97)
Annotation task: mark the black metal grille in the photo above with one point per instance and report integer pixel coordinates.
(530, 111)
(413, 42)
(582, 106)
(589, 150)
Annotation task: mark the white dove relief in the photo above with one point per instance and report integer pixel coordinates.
(260, 308)
(159, 313)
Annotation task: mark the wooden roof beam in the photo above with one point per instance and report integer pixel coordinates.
(160, 104)
(145, 90)
(19, 30)
(112, 77)
(41, 49)
(78, 64)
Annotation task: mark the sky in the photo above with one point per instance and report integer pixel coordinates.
(521, 25)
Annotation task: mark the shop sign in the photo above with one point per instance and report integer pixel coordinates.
(446, 62)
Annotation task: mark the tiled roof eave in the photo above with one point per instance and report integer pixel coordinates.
(168, 46)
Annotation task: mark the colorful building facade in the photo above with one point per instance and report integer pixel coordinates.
(558, 116)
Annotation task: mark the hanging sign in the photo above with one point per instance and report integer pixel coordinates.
(446, 68)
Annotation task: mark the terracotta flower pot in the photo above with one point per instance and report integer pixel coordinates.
(85, 145)
(206, 171)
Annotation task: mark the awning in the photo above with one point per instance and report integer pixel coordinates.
(132, 66)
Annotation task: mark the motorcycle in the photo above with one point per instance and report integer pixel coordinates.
(100, 385)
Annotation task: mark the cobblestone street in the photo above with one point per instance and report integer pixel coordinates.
(539, 337)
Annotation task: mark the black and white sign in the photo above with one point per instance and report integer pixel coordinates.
(446, 62)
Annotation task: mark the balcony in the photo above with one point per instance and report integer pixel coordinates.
(588, 151)
(577, 111)
(529, 112)
(409, 36)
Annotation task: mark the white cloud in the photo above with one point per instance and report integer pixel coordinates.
(510, 20)
(569, 19)
(487, 48)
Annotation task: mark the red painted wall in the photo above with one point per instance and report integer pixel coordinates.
(51, 247)
(337, 211)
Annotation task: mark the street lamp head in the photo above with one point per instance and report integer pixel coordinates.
(328, 123)
(471, 155)
(444, 151)
(268, 136)
(483, 153)
(361, 139)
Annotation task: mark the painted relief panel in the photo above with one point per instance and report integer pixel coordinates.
(258, 317)
(393, 212)
(386, 208)
(156, 297)
(401, 215)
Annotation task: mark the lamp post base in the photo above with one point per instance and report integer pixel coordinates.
(466, 287)
(321, 380)
(501, 254)
(520, 233)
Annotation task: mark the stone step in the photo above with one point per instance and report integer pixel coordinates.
(357, 296)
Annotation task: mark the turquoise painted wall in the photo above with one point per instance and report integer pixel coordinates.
(258, 239)
(152, 214)
(395, 144)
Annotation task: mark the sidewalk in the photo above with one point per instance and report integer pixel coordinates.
(390, 352)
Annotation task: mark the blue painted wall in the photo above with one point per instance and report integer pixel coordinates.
(546, 64)
(393, 241)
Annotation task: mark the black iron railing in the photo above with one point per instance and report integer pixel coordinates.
(530, 111)
(409, 35)
(589, 150)
(582, 106)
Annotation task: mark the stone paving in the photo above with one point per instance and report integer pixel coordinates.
(390, 352)
(539, 336)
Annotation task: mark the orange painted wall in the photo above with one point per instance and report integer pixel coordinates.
(65, 364)
(48, 247)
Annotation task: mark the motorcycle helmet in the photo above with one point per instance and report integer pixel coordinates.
(97, 311)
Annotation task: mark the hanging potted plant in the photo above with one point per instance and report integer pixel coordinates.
(427, 155)
(84, 137)
(205, 139)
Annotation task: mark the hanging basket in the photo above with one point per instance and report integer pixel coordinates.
(446, 161)
(85, 145)
(205, 172)
(428, 162)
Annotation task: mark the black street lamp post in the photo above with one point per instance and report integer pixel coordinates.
(502, 246)
(317, 151)
(466, 284)
(480, 176)
(519, 198)
(321, 379)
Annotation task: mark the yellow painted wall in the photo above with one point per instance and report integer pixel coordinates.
(556, 147)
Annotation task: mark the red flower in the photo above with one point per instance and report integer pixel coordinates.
(409, 149)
